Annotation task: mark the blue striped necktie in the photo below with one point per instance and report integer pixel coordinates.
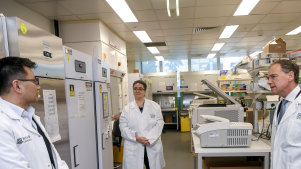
(282, 109)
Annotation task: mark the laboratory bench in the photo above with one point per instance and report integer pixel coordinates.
(257, 148)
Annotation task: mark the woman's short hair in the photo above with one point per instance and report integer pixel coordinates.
(141, 82)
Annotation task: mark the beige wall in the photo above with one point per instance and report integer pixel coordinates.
(131, 66)
(12, 8)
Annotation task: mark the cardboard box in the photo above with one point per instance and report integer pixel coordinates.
(168, 118)
(279, 47)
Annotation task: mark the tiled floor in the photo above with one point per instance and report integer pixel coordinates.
(176, 147)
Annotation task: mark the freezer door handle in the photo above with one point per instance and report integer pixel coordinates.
(102, 141)
(76, 157)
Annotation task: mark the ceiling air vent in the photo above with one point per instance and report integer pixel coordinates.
(199, 29)
(153, 44)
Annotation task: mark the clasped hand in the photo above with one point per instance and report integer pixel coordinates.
(144, 141)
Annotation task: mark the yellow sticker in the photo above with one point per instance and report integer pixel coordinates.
(98, 66)
(72, 90)
(100, 89)
(68, 58)
(23, 28)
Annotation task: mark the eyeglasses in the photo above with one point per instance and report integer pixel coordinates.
(35, 80)
(272, 76)
(138, 89)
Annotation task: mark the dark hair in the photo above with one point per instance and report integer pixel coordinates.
(141, 82)
(287, 66)
(12, 68)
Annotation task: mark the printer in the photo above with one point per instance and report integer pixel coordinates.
(216, 131)
(232, 110)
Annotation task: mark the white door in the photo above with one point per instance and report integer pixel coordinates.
(81, 117)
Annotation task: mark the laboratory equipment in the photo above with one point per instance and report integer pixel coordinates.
(216, 131)
(232, 110)
(101, 79)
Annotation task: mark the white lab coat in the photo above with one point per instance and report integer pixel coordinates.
(21, 146)
(148, 124)
(286, 138)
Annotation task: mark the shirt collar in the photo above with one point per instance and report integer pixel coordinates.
(292, 95)
(20, 111)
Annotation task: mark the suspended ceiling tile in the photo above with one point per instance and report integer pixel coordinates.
(249, 19)
(215, 11)
(96, 16)
(139, 26)
(49, 8)
(178, 38)
(157, 32)
(110, 18)
(269, 26)
(87, 6)
(288, 7)
(146, 15)
(177, 32)
(157, 38)
(118, 27)
(276, 18)
(217, 2)
(176, 24)
(204, 41)
(210, 22)
(178, 43)
(206, 35)
(263, 8)
(139, 4)
(185, 13)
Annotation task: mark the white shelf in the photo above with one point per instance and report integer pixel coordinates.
(168, 109)
(222, 80)
(237, 91)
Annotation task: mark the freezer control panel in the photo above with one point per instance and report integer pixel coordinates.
(104, 72)
(80, 66)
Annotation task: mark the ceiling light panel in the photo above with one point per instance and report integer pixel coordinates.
(159, 58)
(123, 10)
(295, 31)
(245, 7)
(153, 50)
(143, 36)
(211, 55)
(255, 53)
(217, 46)
(228, 31)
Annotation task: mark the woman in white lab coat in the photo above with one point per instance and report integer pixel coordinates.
(141, 125)
(286, 131)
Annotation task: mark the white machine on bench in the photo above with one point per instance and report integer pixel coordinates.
(216, 131)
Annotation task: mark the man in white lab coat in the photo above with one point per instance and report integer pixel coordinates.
(283, 79)
(141, 125)
(24, 143)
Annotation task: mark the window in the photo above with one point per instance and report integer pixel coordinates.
(228, 63)
(174, 65)
(203, 64)
(150, 66)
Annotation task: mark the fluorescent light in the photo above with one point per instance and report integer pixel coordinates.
(255, 53)
(295, 31)
(177, 7)
(228, 31)
(211, 55)
(168, 8)
(153, 50)
(217, 46)
(159, 58)
(143, 36)
(123, 10)
(245, 7)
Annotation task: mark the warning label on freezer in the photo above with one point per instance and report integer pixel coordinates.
(71, 90)
(23, 28)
